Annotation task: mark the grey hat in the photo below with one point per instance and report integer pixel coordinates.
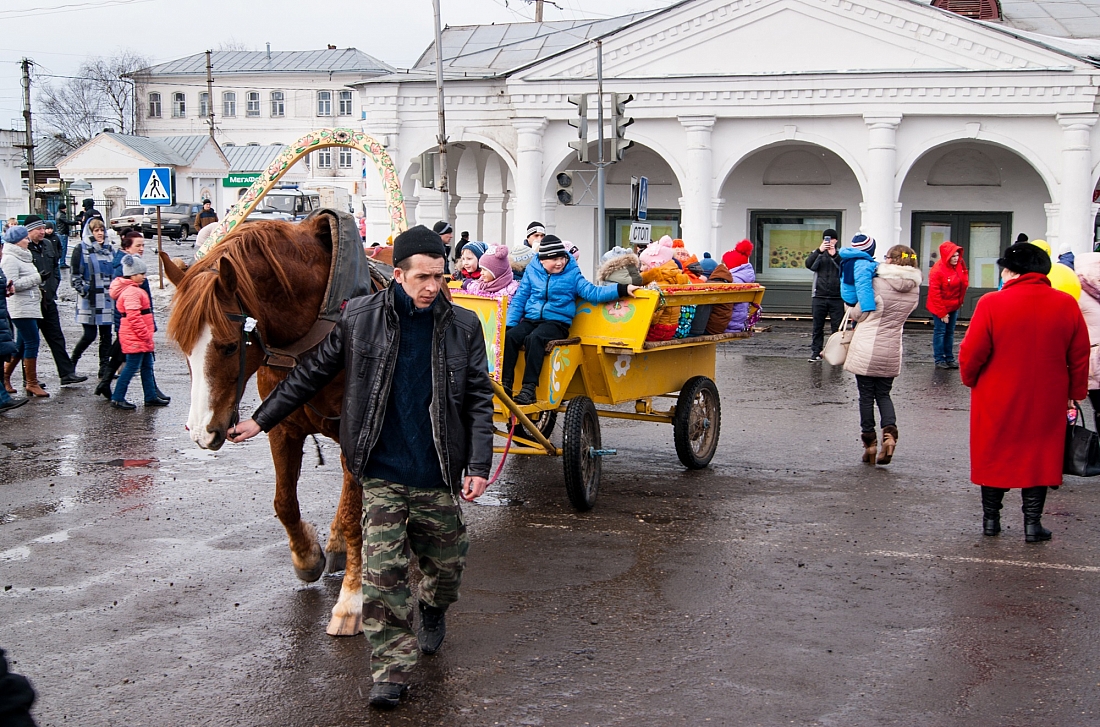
(132, 265)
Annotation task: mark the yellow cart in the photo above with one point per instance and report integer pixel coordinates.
(607, 361)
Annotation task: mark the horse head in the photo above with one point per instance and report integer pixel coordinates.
(246, 275)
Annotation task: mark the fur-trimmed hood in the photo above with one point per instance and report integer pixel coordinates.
(622, 268)
(901, 278)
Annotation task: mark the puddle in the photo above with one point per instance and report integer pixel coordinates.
(128, 462)
(20, 553)
(490, 499)
(59, 537)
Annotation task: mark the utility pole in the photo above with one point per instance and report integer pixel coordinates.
(538, 11)
(29, 141)
(442, 138)
(210, 93)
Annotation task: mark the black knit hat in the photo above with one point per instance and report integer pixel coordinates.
(416, 241)
(1023, 258)
(535, 227)
(442, 228)
(551, 247)
(829, 233)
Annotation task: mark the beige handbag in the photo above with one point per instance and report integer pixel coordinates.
(836, 348)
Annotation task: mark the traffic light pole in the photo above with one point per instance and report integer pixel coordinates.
(601, 166)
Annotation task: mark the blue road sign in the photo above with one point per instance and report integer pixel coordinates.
(155, 184)
(643, 197)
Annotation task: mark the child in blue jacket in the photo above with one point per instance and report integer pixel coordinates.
(857, 271)
(542, 311)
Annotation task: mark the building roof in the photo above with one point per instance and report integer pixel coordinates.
(1069, 26)
(340, 60)
(251, 158)
(179, 151)
(492, 50)
(48, 151)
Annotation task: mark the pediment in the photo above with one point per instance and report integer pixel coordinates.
(781, 37)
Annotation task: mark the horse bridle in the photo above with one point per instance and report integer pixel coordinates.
(248, 330)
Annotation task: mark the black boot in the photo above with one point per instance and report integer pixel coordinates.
(526, 395)
(1034, 498)
(991, 509)
(433, 627)
(386, 695)
(104, 387)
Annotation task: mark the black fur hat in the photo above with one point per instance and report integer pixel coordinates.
(1023, 257)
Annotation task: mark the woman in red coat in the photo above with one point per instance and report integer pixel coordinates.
(947, 284)
(1025, 356)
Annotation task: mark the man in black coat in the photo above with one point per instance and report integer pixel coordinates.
(16, 697)
(826, 301)
(87, 215)
(417, 430)
(45, 248)
(62, 229)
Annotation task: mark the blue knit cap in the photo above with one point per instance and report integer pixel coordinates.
(15, 233)
(866, 243)
(477, 248)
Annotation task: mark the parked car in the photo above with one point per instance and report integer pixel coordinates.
(177, 221)
(131, 217)
(287, 202)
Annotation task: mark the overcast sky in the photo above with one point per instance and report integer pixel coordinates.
(59, 34)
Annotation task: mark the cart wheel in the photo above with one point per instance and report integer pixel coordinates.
(580, 433)
(543, 420)
(697, 422)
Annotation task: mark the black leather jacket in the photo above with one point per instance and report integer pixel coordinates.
(47, 258)
(364, 342)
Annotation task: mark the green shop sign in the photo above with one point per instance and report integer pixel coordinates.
(241, 180)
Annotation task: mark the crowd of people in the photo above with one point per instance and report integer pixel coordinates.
(113, 305)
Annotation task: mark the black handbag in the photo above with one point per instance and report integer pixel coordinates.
(1082, 454)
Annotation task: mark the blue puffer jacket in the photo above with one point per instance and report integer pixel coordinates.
(545, 297)
(7, 344)
(862, 291)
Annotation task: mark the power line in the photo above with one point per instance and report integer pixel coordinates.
(68, 8)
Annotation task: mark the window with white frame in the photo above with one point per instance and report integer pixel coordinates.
(252, 103)
(278, 104)
(324, 103)
(154, 106)
(345, 103)
(204, 104)
(345, 159)
(229, 103)
(179, 105)
(324, 159)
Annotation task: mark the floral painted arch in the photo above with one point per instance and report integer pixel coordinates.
(395, 199)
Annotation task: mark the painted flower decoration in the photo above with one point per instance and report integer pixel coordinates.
(622, 365)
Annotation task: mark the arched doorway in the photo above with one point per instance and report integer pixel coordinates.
(978, 195)
(782, 197)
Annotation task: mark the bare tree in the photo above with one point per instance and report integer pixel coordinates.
(101, 94)
(232, 45)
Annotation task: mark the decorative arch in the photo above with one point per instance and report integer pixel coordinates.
(311, 142)
(1012, 145)
(764, 142)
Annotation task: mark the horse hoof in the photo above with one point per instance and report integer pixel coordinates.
(314, 573)
(350, 625)
(336, 562)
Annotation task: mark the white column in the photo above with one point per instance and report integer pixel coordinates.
(529, 192)
(1053, 210)
(1075, 225)
(881, 211)
(697, 202)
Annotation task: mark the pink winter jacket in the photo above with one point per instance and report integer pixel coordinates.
(1087, 267)
(135, 334)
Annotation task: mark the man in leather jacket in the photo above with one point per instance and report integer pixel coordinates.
(417, 414)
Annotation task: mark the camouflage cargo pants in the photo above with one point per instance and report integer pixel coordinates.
(399, 522)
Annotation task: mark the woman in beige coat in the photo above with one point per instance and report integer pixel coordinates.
(1087, 267)
(874, 354)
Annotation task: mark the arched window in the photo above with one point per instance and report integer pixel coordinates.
(278, 104)
(179, 105)
(252, 100)
(229, 103)
(204, 104)
(154, 106)
(324, 103)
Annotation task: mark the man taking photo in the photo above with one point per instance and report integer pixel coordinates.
(417, 414)
(826, 300)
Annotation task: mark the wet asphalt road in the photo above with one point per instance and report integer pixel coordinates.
(786, 584)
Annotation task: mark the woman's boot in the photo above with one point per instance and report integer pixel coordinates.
(9, 369)
(870, 446)
(889, 443)
(1034, 498)
(991, 509)
(30, 378)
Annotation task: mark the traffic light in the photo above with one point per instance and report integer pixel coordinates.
(565, 187)
(581, 125)
(619, 122)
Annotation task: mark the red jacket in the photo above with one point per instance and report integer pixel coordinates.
(135, 334)
(1024, 356)
(947, 285)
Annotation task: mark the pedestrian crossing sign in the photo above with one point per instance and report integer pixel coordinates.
(156, 185)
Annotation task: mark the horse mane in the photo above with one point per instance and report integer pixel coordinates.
(197, 304)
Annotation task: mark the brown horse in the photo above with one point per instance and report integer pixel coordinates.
(277, 272)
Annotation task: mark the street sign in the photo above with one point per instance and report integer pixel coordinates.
(241, 179)
(643, 197)
(155, 184)
(639, 232)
